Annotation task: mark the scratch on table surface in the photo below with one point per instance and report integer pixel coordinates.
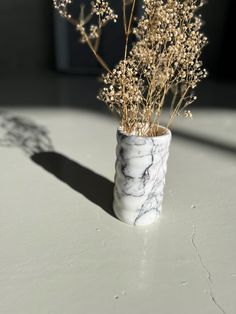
(204, 267)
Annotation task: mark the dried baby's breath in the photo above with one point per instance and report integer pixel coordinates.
(164, 60)
(188, 114)
(102, 9)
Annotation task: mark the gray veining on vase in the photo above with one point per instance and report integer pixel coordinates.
(141, 166)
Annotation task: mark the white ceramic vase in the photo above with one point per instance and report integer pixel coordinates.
(140, 177)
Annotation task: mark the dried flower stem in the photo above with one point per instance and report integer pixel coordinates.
(176, 110)
(88, 41)
(127, 34)
(124, 15)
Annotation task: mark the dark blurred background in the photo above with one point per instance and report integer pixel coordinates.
(43, 63)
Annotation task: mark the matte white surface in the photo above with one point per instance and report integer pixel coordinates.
(63, 254)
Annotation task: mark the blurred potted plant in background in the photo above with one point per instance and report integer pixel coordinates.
(160, 70)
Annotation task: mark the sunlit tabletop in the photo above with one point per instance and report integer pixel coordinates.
(63, 251)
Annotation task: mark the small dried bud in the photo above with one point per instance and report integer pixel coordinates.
(188, 114)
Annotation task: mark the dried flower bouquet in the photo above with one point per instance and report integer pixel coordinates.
(162, 68)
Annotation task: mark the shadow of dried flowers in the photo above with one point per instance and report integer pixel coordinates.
(23, 133)
(35, 141)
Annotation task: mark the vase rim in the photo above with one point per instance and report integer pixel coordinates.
(166, 134)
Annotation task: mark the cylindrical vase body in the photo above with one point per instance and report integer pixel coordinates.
(140, 177)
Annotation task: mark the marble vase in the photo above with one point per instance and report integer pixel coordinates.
(140, 177)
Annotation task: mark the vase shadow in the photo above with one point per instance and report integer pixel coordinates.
(34, 140)
(93, 186)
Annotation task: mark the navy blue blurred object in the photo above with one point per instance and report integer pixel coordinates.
(73, 57)
(215, 16)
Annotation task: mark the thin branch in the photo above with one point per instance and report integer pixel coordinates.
(98, 40)
(127, 33)
(129, 28)
(173, 115)
(175, 94)
(124, 15)
(88, 41)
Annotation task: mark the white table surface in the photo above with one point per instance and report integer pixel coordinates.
(62, 253)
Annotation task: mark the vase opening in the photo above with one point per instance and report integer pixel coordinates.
(145, 131)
